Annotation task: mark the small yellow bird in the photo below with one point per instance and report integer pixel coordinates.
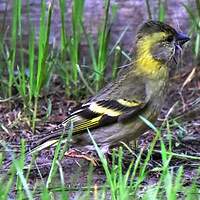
(112, 115)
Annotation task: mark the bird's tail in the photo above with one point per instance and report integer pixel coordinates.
(43, 141)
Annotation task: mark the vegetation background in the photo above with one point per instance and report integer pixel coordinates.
(54, 54)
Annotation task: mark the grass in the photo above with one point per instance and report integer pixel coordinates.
(43, 61)
(34, 81)
(100, 57)
(161, 11)
(32, 75)
(194, 16)
(42, 73)
(74, 40)
(12, 53)
(121, 182)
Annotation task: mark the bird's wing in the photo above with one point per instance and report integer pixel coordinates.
(114, 103)
(90, 115)
(100, 113)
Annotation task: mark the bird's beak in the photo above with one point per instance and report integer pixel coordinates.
(181, 38)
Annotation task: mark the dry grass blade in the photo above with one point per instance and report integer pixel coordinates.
(189, 78)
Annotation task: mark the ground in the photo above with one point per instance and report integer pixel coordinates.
(185, 134)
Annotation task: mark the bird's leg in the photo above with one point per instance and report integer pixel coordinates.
(74, 153)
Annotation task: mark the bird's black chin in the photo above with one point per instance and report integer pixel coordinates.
(178, 49)
(177, 52)
(175, 60)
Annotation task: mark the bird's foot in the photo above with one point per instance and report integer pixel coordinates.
(74, 153)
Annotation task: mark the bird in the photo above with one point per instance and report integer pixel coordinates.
(113, 114)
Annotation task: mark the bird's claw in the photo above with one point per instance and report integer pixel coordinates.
(74, 153)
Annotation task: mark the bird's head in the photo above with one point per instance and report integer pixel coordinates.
(158, 41)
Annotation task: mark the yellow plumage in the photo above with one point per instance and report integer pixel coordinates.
(145, 57)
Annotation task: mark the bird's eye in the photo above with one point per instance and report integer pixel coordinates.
(170, 38)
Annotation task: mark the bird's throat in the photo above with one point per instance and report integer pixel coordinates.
(146, 64)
